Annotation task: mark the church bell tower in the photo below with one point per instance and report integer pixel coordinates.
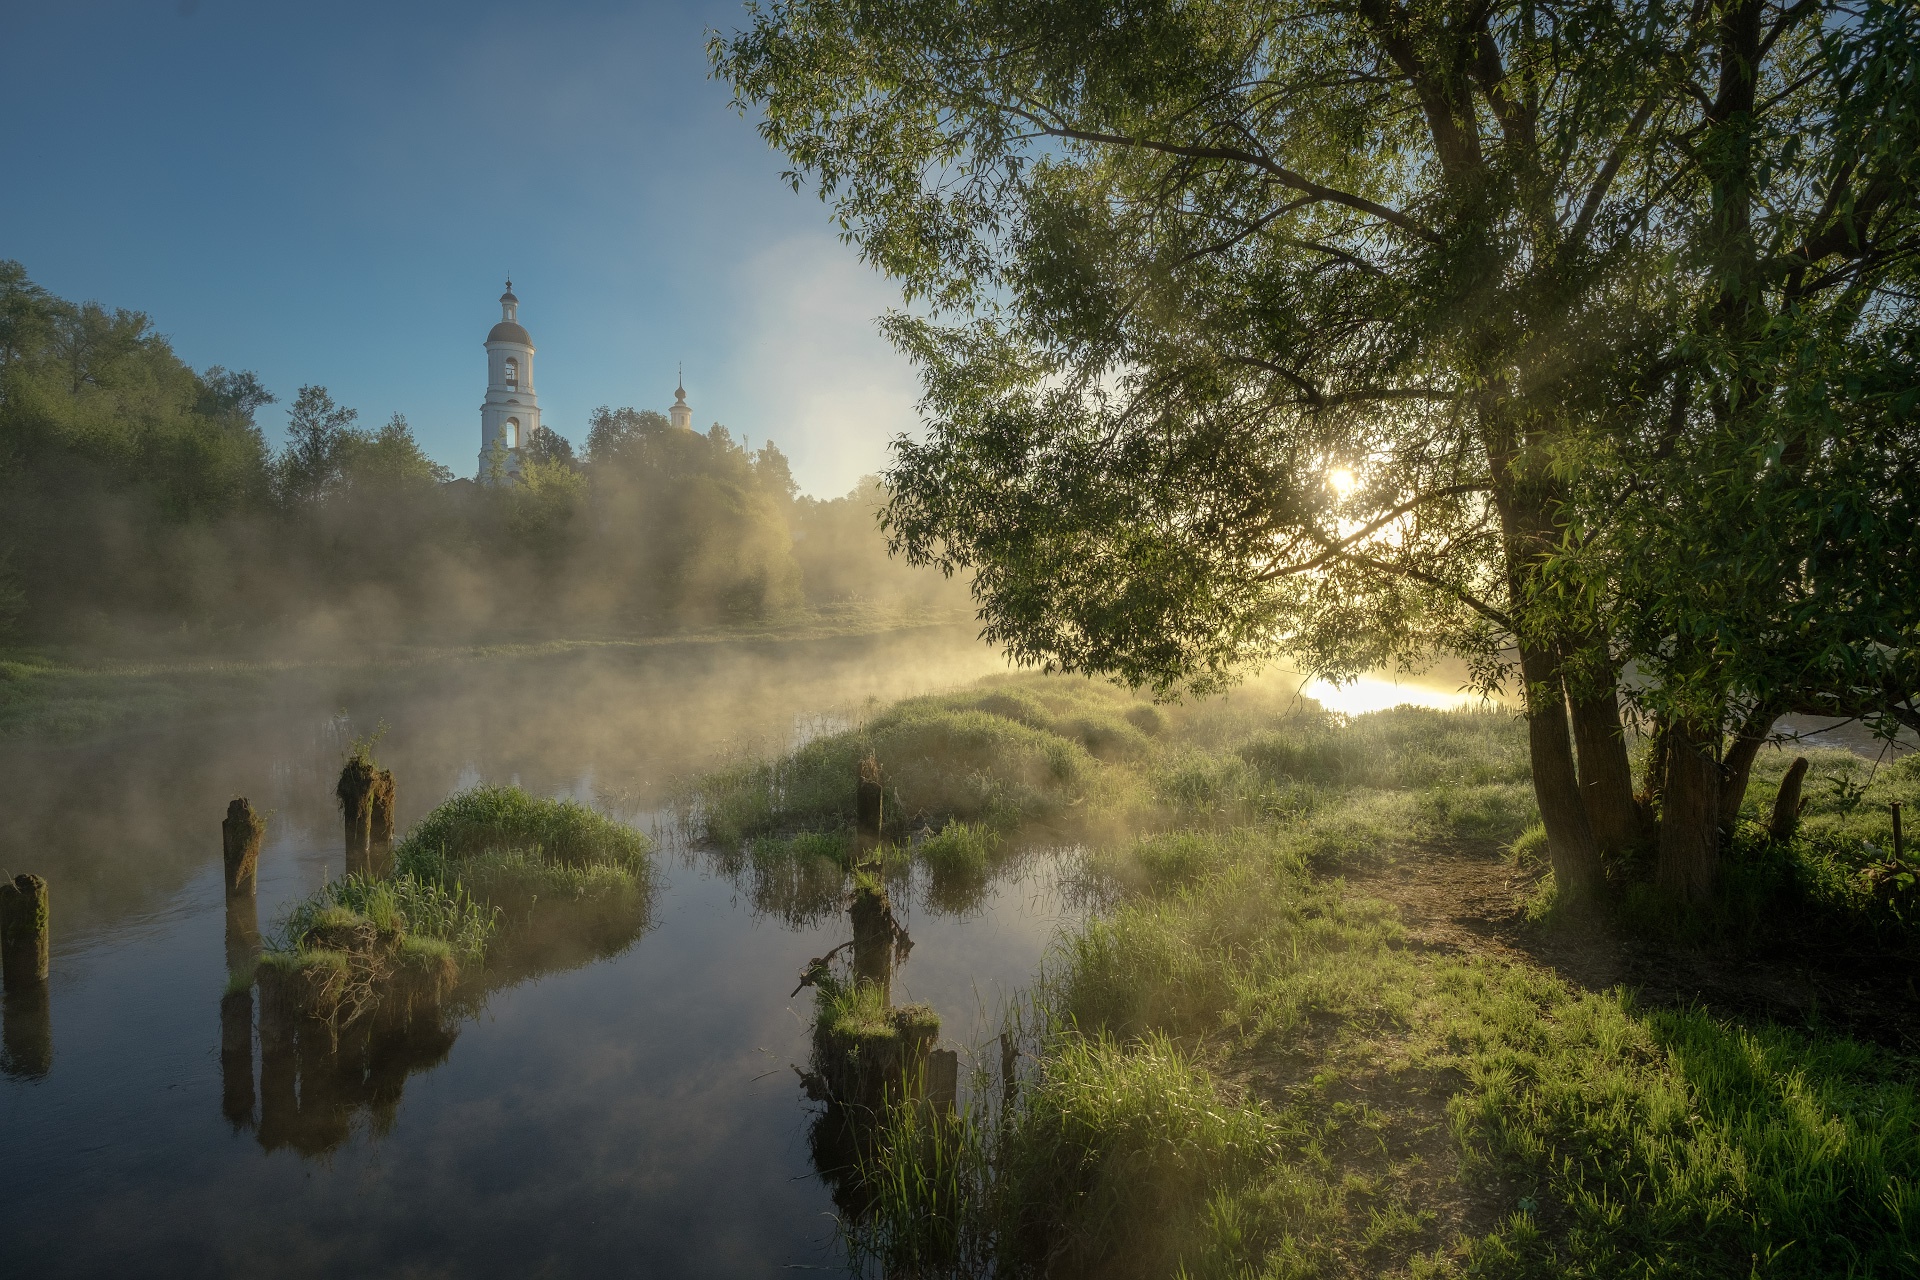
(511, 412)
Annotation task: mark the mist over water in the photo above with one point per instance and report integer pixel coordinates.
(640, 1113)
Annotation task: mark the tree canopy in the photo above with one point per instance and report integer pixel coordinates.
(1367, 331)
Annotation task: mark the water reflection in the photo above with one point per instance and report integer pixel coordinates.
(600, 1101)
(26, 1051)
(315, 1078)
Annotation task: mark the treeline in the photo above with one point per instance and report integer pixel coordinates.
(137, 493)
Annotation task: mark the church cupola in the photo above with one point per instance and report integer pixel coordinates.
(510, 414)
(680, 415)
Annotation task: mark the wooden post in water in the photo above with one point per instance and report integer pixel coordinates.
(866, 806)
(355, 792)
(240, 835)
(23, 932)
(380, 823)
(943, 1081)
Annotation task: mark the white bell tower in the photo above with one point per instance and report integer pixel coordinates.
(681, 413)
(511, 412)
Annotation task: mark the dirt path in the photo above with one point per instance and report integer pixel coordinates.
(1471, 902)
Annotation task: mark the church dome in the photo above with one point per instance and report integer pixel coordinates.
(509, 331)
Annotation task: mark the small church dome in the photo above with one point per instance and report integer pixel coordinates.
(510, 331)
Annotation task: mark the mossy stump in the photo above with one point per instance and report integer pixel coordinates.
(24, 949)
(380, 815)
(869, 1054)
(240, 835)
(366, 795)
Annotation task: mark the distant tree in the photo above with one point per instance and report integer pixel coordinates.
(548, 446)
(319, 434)
(387, 460)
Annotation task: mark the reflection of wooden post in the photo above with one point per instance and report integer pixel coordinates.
(355, 791)
(240, 842)
(236, 1057)
(279, 1106)
(23, 932)
(876, 935)
(1786, 805)
(26, 1049)
(943, 1081)
(866, 807)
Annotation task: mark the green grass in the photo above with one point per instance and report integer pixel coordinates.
(497, 820)
(1244, 1071)
(1240, 1067)
(493, 870)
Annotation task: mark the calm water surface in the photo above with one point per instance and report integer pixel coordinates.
(636, 1115)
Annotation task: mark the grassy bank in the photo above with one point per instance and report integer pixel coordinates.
(491, 885)
(1248, 1065)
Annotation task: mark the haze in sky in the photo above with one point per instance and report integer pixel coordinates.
(335, 194)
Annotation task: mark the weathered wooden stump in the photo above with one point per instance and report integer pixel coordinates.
(1899, 840)
(23, 932)
(867, 805)
(355, 792)
(380, 834)
(943, 1081)
(240, 835)
(243, 933)
(1786, 805)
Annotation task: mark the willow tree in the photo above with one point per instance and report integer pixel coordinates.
(1751, 524)
(1251, 327)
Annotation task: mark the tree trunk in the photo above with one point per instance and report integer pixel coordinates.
(1689, 854)
(1786, 805)
(1606, 779)
(1556, 784)
(1646, 801)
(1739, 766)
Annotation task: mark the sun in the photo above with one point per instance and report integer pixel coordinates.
(1341, 481)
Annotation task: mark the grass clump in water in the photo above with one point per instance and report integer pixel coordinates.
(494, 878)
(496, 819)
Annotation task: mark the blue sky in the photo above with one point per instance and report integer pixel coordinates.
(334, 194)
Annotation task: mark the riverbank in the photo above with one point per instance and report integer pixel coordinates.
(1331, 1021)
